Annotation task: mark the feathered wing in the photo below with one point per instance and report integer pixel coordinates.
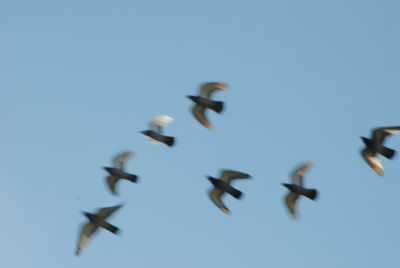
(207, 89)
(87, 231)
(112, 182)
(121, 158)
(198, 113)
(215, 196)
(291, 200)
(379, 134)
(228, 175)
(370, 157)
(104, 213)
(299, 172)
(157, 123)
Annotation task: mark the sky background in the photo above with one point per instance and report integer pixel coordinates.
(80, 79)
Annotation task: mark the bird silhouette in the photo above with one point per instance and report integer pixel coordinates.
(222, 186)
(154, 134)
(375, 145)
(204, 102)
(117, 172)
(297, 188)
(95, 221)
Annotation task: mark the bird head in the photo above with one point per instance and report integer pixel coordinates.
(191, 97)
(365, 140)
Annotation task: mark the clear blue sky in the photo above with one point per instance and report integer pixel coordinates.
(79, 79)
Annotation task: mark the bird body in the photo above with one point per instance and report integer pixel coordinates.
(154, 134)
(217, 106)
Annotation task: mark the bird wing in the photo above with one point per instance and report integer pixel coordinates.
(87, 231)
(379, 134)
(157, 123)
(112, 182)
(370, 157)
(107, 211)
(215, 195)
(228, 175)
(198, 112)
(121, 158)
(290, 200)
(207, 89)
(299, 172)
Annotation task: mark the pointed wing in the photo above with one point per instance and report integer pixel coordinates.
(299, 172)
(106, 212)
(215, 196)
(157, 123)
(291, 200)
(121, 158)
(371, 159)
(207, 89)
(228, 175)
(112, 182)
(198, 113)
(87, 231)
(379, 134)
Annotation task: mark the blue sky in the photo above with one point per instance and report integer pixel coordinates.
(79, 79)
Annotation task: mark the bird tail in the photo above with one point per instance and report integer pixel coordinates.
(234, 192)
(311, 193)
(218, 106)
(169, 140)
(386, 152)
(132, 177)
(109, 227)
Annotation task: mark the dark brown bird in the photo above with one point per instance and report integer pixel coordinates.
(154, 134)
(222, 186)
(204, 102)
(375, 145)
(297, 189)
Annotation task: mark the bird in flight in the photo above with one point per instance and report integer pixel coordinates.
(297, 188)
(95, 221)
(204, 102)
(222, 186)
(154, 134)
(117, 172)
(375, 145)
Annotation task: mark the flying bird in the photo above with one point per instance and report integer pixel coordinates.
(95, 221)
(222, 186)
(117, 172)
(375, 145)
(297, 189)
(204, 102)
(154, 134)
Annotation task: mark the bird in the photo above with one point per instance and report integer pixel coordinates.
(95, 221)
(297, 188)
(222, 186)
(204, 102)
(117, 172)
(375, 145)
(154, 134)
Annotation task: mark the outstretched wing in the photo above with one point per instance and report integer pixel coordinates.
(198, 113)
(379, 134)
(215, 196)
(106, 212)
(121, 158)
(112, 182)
(299, 172)
(157, 123)
(87, 231)
(371, 159)
(207, 89)
(291, 201)
(228, 175)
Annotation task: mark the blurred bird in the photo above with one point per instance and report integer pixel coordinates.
(117, 172)
(95, 221)
(375, 145)
(297, 188)
(155, 132)
(223, 185)
(203, 102)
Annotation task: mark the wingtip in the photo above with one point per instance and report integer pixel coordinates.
(226, 211)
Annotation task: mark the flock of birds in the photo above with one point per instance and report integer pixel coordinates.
(222, 185)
